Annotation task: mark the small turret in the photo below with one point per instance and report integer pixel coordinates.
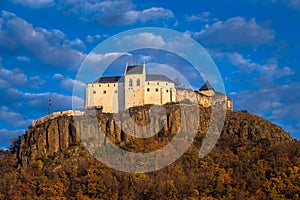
(207, 89)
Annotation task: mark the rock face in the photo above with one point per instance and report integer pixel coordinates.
(47, 138)
(95, 128)
(247, 127)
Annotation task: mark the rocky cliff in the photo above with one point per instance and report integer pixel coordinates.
(253, 158)
(95, 127)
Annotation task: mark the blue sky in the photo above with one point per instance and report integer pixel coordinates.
(255, 45)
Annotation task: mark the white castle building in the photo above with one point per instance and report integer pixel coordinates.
(135, 88)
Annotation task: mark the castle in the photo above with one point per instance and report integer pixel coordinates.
(136, 88)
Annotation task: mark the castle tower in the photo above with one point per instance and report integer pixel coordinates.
(134, 78)
(207, 89)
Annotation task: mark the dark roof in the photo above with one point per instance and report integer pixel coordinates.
(149, 77)
(206, 86)
(135, 69)
(157, 77)
(108, 79)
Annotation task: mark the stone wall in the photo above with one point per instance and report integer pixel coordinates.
(181, 96)
(195, 97)
(54, 115)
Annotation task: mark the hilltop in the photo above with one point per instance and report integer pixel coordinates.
(253, 158)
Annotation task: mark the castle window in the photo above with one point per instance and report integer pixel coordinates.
(94, 92)
(167, 91)
(157, 83)
(104, 91)
(138, 82)
(156, 89)
(148, 83)
(114, 85)
(130, 83)
(166, 83)
(99, 85)
(148, 89)
(107, 85)
(116, 91)
(92, 85)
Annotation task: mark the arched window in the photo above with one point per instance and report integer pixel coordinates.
(130, 83)
(138, 82)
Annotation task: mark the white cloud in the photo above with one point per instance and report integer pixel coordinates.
(108, 12)
(92, 38)
(23, 58)
(94, 64)
(94, 58)
(34, 3)
(68, 83)
(145, 58)
(11, 118)
(150, 14)
(17, 78)
(170, 72)
(35, 104)
(75, 44)
(58, 76)
(273, 71)
(38, 101)
(36, 81)
(48, 46)
(146, 38)
(54, 36)
(202, 17)
(235, 32)
(152, 40)
(268, 71)
(246, 65)
(12, 77)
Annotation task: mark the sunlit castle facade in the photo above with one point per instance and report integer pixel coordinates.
(136, 88)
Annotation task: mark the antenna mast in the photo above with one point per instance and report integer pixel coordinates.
(49, 106)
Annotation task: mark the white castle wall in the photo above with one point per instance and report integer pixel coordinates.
(117, 96)
(103, 94)
(56, 115)
(181, 96)
(134, 94)
(159, 92)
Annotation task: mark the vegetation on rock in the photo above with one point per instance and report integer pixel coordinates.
(253, 159)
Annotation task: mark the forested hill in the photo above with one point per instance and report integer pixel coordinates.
(252, 159)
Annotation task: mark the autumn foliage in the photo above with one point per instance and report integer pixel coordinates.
(239, 167)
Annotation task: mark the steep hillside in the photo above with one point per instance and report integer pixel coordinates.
(252, 159)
